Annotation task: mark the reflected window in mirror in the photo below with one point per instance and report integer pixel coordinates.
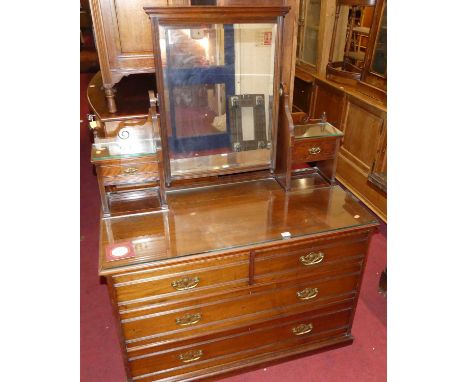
(308, 31)
(352, 35)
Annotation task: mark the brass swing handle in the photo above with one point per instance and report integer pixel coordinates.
(302, 329)
(314, 150)
(191, 356)
(188, 319)
(307, 293)
(312, 258)
(130, 170)
(185, 283)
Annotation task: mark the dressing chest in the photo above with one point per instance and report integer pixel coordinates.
(250, 254)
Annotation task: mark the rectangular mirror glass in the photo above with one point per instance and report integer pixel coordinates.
(218, 82)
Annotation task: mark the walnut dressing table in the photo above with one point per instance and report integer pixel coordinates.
(213, 286)
(245, 262)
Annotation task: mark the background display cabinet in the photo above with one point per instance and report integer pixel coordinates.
(351, 90)
(255, 255)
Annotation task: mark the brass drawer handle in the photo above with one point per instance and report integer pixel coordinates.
(314, 150)
(302, 329)
(188, 319)
(130, 170)
(191, 356)
(312, 258)
(307, 293)
(185, 283)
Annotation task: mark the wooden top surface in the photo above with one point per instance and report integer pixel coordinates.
(233, 216)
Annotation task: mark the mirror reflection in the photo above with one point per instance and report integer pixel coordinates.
(352, 35)
(218, 83)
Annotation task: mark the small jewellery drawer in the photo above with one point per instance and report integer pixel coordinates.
(310, 258)
(130, 179)
(311, 150)
(225, 311)
(129, 169)
(173, 282)
(261, 338)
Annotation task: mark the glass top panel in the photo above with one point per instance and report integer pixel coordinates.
(201, 220)
(316, 130)
(218, 97)
(126, 139)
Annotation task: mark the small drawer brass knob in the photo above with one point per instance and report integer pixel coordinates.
(302, 329)
(130, 170)
(188, 319)
(314, 150)
(307, 293)
(312, 258)
(191, 356)
(185, 283)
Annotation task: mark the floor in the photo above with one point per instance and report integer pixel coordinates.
(101, 360)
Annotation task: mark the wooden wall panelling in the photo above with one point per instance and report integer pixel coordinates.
(330, 100)
(302, 95)
(364, 126)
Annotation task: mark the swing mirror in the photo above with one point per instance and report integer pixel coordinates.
(219, 85)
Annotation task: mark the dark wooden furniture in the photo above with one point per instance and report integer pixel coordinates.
(214, 288)
(362, 159)
(357, 105)
(124, 41)
(129, 165)
(312, 147)
(131, 93)
(253, 261)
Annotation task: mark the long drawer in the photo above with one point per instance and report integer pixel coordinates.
(224, 312)
(173, 282)
(262, 338)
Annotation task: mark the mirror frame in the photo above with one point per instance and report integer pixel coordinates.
(188, 16)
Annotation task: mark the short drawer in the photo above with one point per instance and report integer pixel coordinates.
(311, 150)
(130, 179)
(261, 338)
(129, 169)
(312, 258)
(227, 311)
(172, 282)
